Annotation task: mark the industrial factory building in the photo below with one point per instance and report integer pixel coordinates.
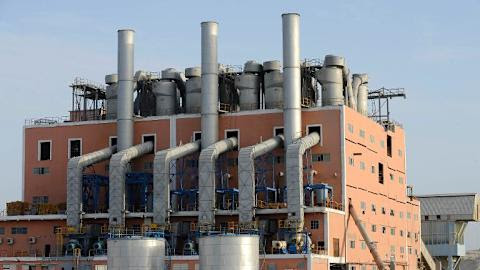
(276, 165)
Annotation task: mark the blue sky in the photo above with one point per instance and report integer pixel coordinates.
(432, 48)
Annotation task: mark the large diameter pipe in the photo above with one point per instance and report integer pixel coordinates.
(119, 166)
(207, 179)
(294, 168)
(161, 179)
(366, 238)
(125, 89)
(209, 84)
(75, 182)
(292, 114)
(246, 176)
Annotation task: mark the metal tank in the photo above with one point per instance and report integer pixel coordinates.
(232, 252)
(248, 84)
(362, 93)
(193, 86)
(136, 253)
(331, 79)
(165, 92)
(111, 95)
(273, 81)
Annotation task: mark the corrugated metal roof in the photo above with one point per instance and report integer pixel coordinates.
(449, 204)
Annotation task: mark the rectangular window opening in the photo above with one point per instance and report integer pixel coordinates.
(75, 148)
(45, 148)
(389, 145)
(113, 141)
(197, 135)
(278, 131)
(233, 134)
(149, 138)
(380, 173)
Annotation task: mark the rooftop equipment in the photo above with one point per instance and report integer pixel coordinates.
(248, 84)
(111, 95)
(360, 88)
(331, 79)
(273, 81)
(165, 92)
(193, 88)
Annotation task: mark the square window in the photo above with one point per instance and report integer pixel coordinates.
(277, 131)
(112, 141)
(74, 148)
(350, 128)
(362, 165)
(392, 177)
(392, 231)
(314, 224)
(352, 243)
(374, 228)
(197, 135)
(45, 150)
(149, 138)
(362, 133)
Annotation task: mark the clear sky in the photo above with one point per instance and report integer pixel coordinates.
(432, 48)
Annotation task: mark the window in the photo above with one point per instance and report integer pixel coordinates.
(314, 224)
(400, 179)
(39, 199)
(315, 128)
(384, 230)
(112, 141)
(409, 215)
(400, 214)
(392, 249)
(374, 228)
(350, 128)
(362, 133)
(380, 173)
(373, 169)
(74, 148)
(382, 143)
(352, 243)
(409, 250)
(374, 208)
(392, 177)
(321, 157)
(150, 138)
(392, 212)
(41, 170)
(363, 205)
(401, 233)
(277, 131)
(372, 139)
(392, 231)
(400, 152)
(197, 135)
(2, 230)
(351, 161)
(362, 165)
(19, 230)
(44, 150)
(383, 210)
(389, 145)
(336, 247)
(233, 133)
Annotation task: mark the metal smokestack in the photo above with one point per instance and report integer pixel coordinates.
(209, 84)
(125, 89)
(292, 114)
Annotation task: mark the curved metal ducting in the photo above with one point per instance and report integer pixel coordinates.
(292, 114)
(248, 85)
(75, 182)
(193, 89)
(294, 169)
(273, 81)
(119, 166)
(331, 78)
(351, 98)
(125, 89)
(161, 179)
(360, 82)
(246, 176)
(206, 186)
(209, 84)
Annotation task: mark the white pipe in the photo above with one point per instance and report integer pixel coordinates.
(209, 84)
(246, 176)
(292, 114)
(206, 186)
(119, 166)
(125, 89)
(161, 179)
(294, 168)
(352, 99)
(75, 182)
(362, 92)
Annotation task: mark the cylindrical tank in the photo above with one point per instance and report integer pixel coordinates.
(193, 88)
(165, 97)
(273, 80)
(232, 252)
(362, 95)
(331, 79)
(248, 84)
(111, 95)
(136, 253)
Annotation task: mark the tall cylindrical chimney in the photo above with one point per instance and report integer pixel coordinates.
(125, 89)
(209, 84)
(292, 114)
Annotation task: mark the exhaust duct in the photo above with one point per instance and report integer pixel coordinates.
(361, 90)
(209, 84)
(125, 89)
(292, 114)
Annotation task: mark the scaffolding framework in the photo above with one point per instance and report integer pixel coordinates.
(87, 100)
(380, 103)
